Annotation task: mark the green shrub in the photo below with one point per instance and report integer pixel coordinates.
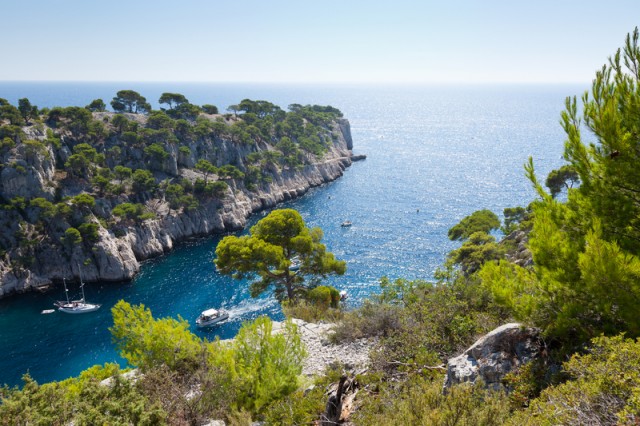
(300, 407)
(146, 342)
(82, 400)
(420, 401)
(478, 221)
(71, 237)
(89, 232)
(268, 364)
(132, 211)
(324, 296)
(604, 388)
(308, 312)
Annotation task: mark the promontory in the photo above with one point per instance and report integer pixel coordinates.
(89, 192)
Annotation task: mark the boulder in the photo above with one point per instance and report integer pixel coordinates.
(494, 355)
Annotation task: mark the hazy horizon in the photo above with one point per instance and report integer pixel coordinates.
(330, 42)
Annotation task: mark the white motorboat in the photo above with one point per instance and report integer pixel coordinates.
(211, 317)
(346, 224)
(295, 264)
(75, 306)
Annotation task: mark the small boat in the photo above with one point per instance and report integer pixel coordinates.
(346, 223)
(75, 306)
(343, 295)
(211, 317)
(295, 264)
(47, 311)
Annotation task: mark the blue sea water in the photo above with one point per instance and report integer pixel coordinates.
(435, 154)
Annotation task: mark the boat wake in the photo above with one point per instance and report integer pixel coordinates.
(247, 307)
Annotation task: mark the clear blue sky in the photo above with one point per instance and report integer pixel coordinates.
(312, 41)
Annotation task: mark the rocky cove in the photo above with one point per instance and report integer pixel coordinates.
(34, 167)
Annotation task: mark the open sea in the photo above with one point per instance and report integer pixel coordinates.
(434, 155)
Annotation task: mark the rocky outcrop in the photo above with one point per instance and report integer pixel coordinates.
(519, 252)
(494, 355)
(117, 257)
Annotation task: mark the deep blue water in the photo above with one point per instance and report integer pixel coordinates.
(435, 154)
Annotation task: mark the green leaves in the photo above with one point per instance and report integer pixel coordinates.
(146, 343)
(478, 221)
(267, 364)
(130, 101)
(269, 251)
(603, 388)
(585, 250)
(566, 176)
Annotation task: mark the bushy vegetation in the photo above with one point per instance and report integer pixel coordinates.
(603, 387)
(268, 254)
(586, 271)
(127, 159)
(181, 379)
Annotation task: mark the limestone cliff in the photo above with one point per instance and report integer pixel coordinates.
(36, 167)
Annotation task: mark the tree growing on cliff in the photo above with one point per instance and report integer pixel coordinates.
(564, 177)
(130, 101)
(206, 168)
(172, 99)
(27, 111)
(281, 253)
(96, 105)
(478, 221)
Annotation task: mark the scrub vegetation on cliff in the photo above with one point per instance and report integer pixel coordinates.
(77, 182)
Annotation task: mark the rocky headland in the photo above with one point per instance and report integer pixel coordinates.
(41, 162)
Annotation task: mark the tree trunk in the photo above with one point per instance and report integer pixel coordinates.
(333, 410)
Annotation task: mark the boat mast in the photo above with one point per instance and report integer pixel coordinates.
(81, 283)
(66, 292)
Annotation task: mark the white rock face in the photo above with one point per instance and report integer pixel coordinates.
(494, 355)
(116, 258)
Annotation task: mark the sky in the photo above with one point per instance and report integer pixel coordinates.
(321, 41)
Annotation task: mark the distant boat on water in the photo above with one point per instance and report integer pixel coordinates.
(346, 224)
(75, 306)
(295, 263)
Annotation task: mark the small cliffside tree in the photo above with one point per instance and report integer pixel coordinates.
(130, 101)
(270, 251)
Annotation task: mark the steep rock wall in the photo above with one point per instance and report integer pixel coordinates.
(117, 258)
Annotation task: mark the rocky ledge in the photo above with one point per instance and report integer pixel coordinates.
(321, 353)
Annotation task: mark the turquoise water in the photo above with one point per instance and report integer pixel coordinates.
(435, 154)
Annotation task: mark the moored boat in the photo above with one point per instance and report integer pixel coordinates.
(75, 306)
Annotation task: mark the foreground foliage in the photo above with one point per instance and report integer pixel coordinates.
(420, 401)
(181, 379)
(604, 388)
(586, 275)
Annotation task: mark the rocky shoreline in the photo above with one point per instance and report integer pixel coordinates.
(117, 257)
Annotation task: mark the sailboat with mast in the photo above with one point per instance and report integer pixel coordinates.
(75, 306)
